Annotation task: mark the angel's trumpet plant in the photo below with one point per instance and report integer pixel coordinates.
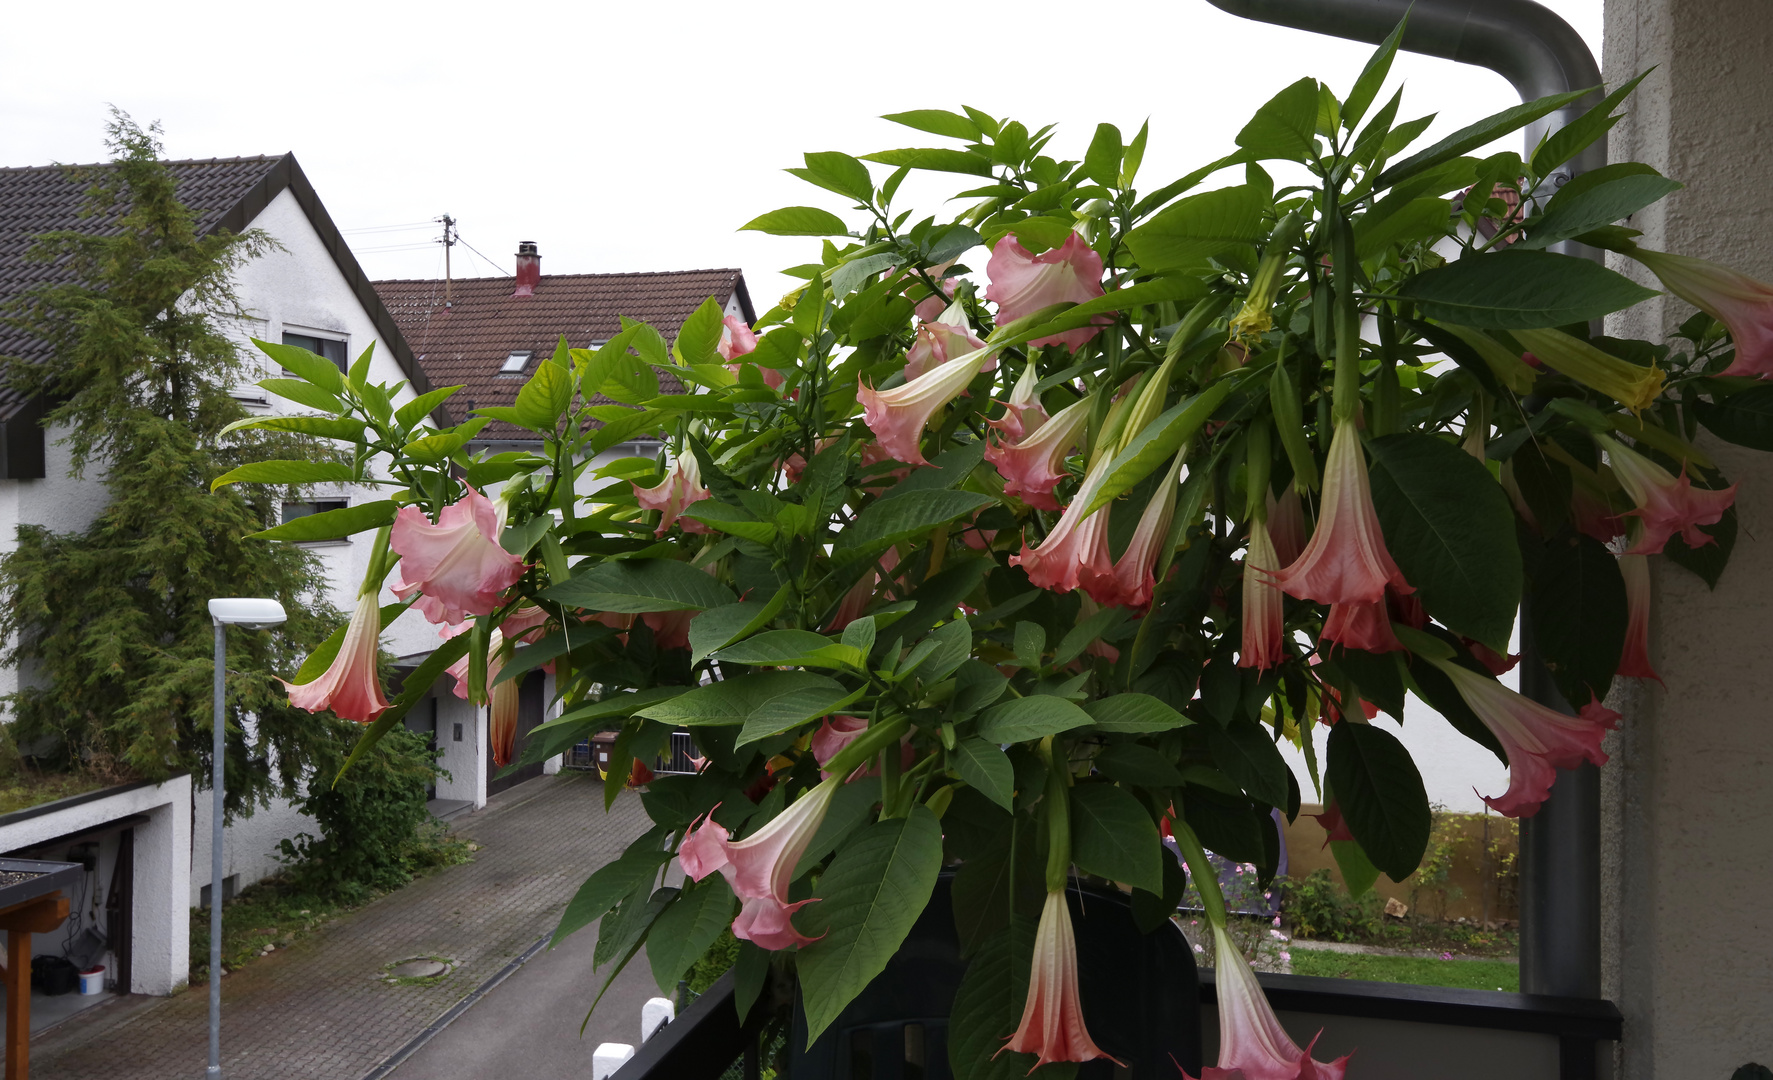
(898, 416)
(671, 496)
(349, 686)
(1023, 283)
(1346, 561)
(457, 567)
(1666, 504)
(1742, 304)
(1034, 464)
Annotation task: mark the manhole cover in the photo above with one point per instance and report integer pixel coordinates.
(417, 969)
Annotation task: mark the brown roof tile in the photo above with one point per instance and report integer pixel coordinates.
(465, 342)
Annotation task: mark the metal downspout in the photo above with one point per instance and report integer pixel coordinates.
(1540, 54)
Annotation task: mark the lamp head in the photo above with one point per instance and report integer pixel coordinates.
(250, 613)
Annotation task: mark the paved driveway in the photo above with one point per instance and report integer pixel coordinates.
(320, 1008)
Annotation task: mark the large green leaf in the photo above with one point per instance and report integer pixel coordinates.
(1134, 713)
(1594, 199)
(888, 521)
(1381, 796)
(286, 472)
(985, 767)
(332, 524)
(1450, 527)
(1744, 418)
(765, 702)
(837, 172)
(1030, 718)
(798, 221)
(935, 160)
(1285, 127)
(1193, 229)
(1245, 753)
(637, 866)
(317, 370)
(791, 648)
(686, 929)
(1578, 614)
(1114, 837)
(868, 900)
(718, 626)
(937, 122)
(1522, 290)
(1154, 446)
(1475, 135)
(634, 586)
(344, 429)
(987, 1007)
(544, 398)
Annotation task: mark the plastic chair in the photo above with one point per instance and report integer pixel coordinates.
(1141, 1000)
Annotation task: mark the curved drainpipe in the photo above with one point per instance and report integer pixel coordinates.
(1540, 54)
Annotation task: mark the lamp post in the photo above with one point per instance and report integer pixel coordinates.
(252, 614)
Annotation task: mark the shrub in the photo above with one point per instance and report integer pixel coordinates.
(1318, 907)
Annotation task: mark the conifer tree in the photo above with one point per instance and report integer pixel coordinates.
(109, 625)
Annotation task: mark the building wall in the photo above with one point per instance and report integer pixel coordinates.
(1688, 852)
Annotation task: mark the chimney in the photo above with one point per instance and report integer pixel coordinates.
(529, 269)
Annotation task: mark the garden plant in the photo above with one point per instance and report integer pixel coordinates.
(1018, 540)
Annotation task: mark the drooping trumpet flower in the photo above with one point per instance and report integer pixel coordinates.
(1076, 550)
(681, 487)
(898, 416)
(1052, 1024)
(760, 867)
(1346, 561)
(1634, 661)
(1033, 465)
(1742, 304)
(1252, 1043)
(1665, 504)
(1023, 411)
(456, 566)
(1264, 631)
(1023, 283)
(349, 686)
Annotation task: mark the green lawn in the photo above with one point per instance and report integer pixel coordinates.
(1469, 974)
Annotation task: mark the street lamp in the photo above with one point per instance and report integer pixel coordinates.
(250, 613)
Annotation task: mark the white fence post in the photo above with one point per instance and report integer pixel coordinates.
(655, 1014)
(607, 1058)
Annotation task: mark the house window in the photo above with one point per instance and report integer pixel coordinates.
(294, 510)
(516, 362)
(331, 348)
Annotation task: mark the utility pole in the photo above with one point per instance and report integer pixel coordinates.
(449, 241)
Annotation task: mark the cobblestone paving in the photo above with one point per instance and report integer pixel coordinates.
(320, 1008)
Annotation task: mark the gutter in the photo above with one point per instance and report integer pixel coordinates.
(1540, 54)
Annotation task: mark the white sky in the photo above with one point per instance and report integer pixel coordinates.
(638, 136)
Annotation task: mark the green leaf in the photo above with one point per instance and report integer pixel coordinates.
(733, 520)
(869, 899)
(1579, 615)
(987, 768)
(636, 867)
(1191, 230)
(1112, 836)
(888, 521)
(1135, 763)
(687, 929)
(1245, 753)
(791, 648)
(332, 524)
(1475, 135)
(1134, 713)
(798, 221)
(1450, 527)
(422, 406)
(1102, 161)
(1358, 871)
(1152, 448)
(938, 122)
(1381, 796)
(1372, 77)
(344, 429)
(840, 173)
(1418, 219)
(305, 365)
(640, 585)
(1744, 418)
(304, 393)
(721, 626)
(698, 339)
(286, 472)
(988, 1006)
(765, 702)
(1571, 139)
(1522, 290)
(1595, 199)
(937, 160)
(950, 646)
(1286, 126)
(1030, 718)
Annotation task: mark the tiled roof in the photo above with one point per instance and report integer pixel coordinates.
(465, 342)
(51, 197)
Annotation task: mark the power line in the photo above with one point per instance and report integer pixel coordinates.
(388, 228)
(488, 262)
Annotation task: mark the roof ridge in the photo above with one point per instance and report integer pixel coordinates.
(545, 277)
(268, 159)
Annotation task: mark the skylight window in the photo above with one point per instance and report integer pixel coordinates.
(516, 362)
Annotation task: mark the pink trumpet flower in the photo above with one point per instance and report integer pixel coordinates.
(1264, 638)
(1665, 505)
(1538, 741)
(931, 307)
(1634, 662)
(838, 732)
(760, 867)
(861, 594)
(681, 487)
(1286, 526)
(349, 686)
(898, 416)
(501, 728)
(670, 628)
(936, 343)
(736, 338)
(1023, 283)
(1134, 577)
(1361, 626)
(1033, 467)
(1252, 1043)
(1052, 1024)
(1346, 560)
(1023, 411)
(456, 565)
(1592, 516)
(1742, 304)
(1076, 550)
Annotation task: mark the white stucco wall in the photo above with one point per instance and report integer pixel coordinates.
(160, 960)
(1687, 859)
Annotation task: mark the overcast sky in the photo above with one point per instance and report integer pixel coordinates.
(640, 136)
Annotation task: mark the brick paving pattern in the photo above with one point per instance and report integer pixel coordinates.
(320, 1008)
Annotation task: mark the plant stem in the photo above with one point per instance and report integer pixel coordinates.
(867, 745)
(1201, 871)
(1058, 811)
